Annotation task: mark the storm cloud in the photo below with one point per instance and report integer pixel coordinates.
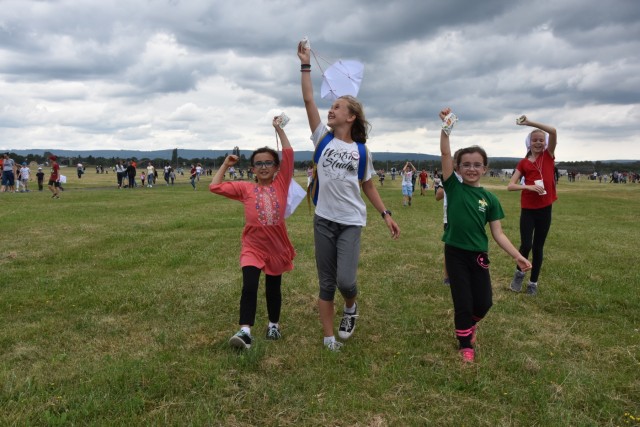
(158, 74)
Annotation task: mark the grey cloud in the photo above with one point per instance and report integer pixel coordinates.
(488, 60)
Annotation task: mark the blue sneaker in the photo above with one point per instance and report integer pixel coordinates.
(532, 288)
(516, 283)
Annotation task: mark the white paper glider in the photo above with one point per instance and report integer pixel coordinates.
(342, 78)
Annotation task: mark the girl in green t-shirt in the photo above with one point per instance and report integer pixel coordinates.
(469, 208)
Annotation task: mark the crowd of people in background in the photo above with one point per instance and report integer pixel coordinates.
(127, 175)
(19, 177)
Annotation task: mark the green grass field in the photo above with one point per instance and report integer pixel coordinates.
(116, 307)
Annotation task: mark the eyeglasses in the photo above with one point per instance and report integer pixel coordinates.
(267, 164)
(471, 165)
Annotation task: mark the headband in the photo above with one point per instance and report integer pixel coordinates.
(527, 140)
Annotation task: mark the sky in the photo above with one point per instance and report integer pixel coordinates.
(208, 74)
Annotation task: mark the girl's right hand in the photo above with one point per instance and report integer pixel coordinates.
(304, 54)
(231, 160)
(444, 113)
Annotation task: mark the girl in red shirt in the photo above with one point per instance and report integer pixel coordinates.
(265, 242)
(54, 178)
(537, 197)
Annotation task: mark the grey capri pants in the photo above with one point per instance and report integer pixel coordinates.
(337, 252)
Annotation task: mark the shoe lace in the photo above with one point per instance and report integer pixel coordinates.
(334, 346)
(347, 320)
(273, 332)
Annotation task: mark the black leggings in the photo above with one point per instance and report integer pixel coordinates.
(249, 299)
(534, 227)
(470, 289)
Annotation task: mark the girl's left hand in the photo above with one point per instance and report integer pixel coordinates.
(276, 122)
(523, 263)
(538, 189)
(393, 227)
(522, 121)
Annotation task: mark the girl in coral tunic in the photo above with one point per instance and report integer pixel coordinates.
(265, 242)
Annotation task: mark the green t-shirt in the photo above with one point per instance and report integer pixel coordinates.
(469, 209)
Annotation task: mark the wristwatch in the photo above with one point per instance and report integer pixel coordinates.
(385, 213)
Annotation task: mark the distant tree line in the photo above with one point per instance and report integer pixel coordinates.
(583, 167)
(587, 167)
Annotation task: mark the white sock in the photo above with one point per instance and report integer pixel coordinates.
(271, 325)
(351, 310)
(329, 340)
(246, 330)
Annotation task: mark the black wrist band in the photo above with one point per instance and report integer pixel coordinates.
(385, 213)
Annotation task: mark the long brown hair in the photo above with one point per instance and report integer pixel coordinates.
(360, 128)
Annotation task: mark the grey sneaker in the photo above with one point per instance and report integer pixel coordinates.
(532, 288)
(347, 325)
(334, 346)
(273, 333)
(516, 283)
(241, 340)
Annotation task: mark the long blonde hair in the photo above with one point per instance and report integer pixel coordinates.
(360, 128)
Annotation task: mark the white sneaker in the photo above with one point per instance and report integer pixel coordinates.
(334, 346)
(241, 340)
(347, 325)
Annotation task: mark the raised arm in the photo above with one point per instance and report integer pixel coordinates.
(553, 135)
(445, 149)
(281, 134)
(307, 87)
(228, 162)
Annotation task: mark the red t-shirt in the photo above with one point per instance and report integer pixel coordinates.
(55, 172)
(543, 168)
(423, 177)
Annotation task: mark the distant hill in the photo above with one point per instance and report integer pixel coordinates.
(301, 156)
